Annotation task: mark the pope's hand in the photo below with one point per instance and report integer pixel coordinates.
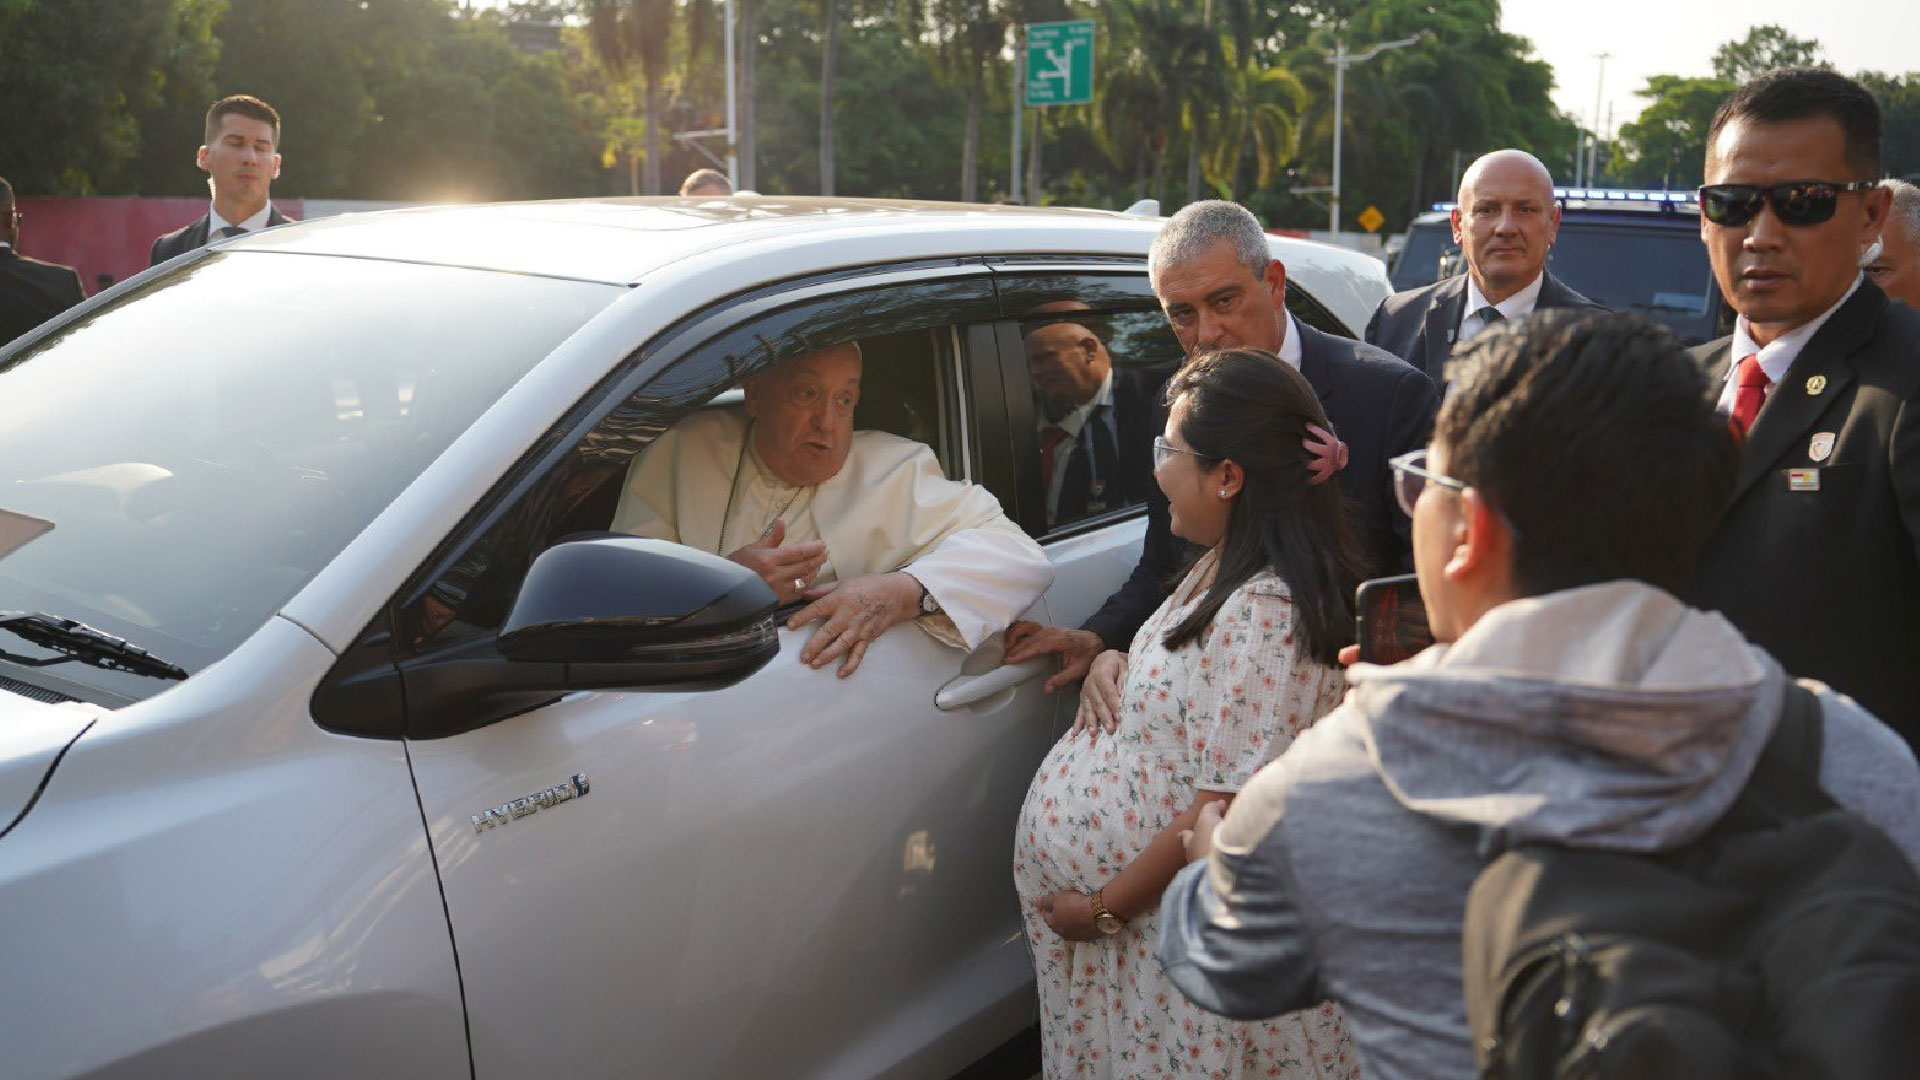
(786, 570)
(1100, 695)
(1075, 648)
(852, 613)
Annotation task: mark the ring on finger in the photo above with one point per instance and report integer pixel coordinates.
(799, 584)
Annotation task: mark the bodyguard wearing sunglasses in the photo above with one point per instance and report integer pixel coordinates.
(1817, 558)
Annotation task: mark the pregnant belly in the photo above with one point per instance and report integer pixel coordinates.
(1090, 811)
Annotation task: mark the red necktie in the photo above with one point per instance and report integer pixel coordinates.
(1750, 391)
(1051, 437)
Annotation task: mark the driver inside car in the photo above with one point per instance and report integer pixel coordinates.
(861, 525)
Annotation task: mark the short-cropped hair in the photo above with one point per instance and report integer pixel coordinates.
(1904, 212)
(1198, 226)
(1594, 436)
(1786, 94)
(700, 178)
(241, 105)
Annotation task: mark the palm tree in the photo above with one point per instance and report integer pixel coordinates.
(627, 31)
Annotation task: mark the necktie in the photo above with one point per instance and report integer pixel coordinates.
(1489, 317)
(1750, 391)
(230, 231)
(1051, 437)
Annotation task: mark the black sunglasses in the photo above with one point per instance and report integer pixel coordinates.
(1802, 202)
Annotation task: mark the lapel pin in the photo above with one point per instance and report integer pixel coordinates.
(1821, 447)
(1816, 385)
(1803, 479)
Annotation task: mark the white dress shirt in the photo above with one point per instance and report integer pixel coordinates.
(1290, 348)
(1778, 355)
(1519, 305)
(1071, 424)
(258, 221)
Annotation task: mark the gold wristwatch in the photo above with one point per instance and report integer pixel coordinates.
(1103, 920)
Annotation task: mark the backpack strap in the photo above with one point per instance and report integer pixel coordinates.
(1786, 780)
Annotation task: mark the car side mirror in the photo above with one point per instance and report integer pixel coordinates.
(621, 611)
(608, 613)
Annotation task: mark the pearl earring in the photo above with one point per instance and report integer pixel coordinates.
(1223, 493)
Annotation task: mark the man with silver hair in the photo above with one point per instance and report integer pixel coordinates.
(1221, 287)
(1894, 263)
(1505, 223)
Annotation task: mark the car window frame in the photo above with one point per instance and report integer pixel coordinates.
(360, 695)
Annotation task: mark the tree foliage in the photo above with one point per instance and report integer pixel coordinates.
(1763, 49)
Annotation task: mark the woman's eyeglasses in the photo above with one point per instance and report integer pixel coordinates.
(1164, 450)
(1411, 476)
(1802, 202)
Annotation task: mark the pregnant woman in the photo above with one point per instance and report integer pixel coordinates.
(1237, 661)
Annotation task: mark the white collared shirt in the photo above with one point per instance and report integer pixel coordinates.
(1517, 306)
(1071, 424)
(1290, 348)
(1777, 357)
(258, 221)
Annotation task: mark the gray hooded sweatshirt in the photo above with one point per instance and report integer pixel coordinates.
(1608, 717)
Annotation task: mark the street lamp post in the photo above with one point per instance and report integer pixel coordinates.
(733, 131)
(1341, 59)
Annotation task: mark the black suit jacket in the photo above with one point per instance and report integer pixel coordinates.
(1828, 580)
(1419, 325)
(1378, 404)
(1139, 413)
(31, 292)
(188, 237)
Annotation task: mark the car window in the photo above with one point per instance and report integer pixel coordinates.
(1419, 261)
(1095, 381)
(1662, 274)
(206, 444)
(917, 382)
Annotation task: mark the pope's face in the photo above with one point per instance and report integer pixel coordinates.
(1783, 276)
(803, 415)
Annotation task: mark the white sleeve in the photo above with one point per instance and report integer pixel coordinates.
(983, 578)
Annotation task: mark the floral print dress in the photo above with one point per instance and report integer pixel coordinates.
(1204, 717)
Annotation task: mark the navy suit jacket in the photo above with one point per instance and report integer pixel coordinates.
(1419, 325)
(1823, 570)
(1379, 405)
(188, 237)
(31, 292)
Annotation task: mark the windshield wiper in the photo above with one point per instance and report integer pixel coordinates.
(75, 640)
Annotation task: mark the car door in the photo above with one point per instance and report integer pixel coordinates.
(794, 876)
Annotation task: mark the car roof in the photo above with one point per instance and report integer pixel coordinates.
(629, 240)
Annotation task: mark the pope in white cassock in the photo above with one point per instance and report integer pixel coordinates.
(862, 524)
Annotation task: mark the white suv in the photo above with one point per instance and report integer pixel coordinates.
(320, 757)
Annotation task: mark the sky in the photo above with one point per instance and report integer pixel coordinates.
(1678, 37)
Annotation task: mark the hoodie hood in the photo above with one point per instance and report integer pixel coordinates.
(1611, 716)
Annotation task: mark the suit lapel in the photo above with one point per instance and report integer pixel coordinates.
(1443, 323)
(1313, 362)
(1791, 409)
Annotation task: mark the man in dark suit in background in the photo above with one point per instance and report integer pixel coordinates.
(1220, 287)
(1817, 558)
(1505, 224)
(1097, 421)
(241, 159)
(31, 291)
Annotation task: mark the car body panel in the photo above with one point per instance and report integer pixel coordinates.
(33, 735)
(214, 886)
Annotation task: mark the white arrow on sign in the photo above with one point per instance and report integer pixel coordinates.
(1062, 61)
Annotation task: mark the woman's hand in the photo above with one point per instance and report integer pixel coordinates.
(1100, 695)
(1198, 840)
(1069, 914)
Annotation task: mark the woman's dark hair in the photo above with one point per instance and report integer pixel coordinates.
(1247, 406)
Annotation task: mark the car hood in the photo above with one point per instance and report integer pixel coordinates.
(33, 737)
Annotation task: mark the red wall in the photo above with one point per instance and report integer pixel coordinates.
(107, 236)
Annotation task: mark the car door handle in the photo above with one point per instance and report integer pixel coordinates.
(964, 690)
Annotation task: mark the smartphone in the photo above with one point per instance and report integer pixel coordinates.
(1391, 619)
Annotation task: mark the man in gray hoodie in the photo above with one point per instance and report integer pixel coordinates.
(1574, 477)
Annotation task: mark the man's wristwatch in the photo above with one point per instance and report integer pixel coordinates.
(1103, 920)
(928, 605)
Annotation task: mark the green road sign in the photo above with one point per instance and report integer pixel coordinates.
(1060, 63)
